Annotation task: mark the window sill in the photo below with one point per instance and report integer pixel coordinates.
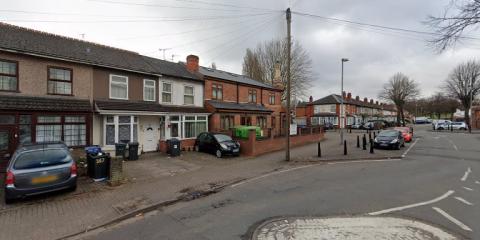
(58, 94)
(12, 91)
(126, 99)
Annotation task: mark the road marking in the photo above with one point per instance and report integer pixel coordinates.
(365, 161)
(464, 201)
(452, 219)
(411, 146)
(454, 146)
(269, 174)
(311, 165)
(396, 209)
(464, 178)
(466, 188)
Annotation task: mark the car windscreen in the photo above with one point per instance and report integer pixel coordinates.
(222, 137)
(388, 134)
(42, 158)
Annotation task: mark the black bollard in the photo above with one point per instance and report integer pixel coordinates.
(370, 135)
(319, 150)
(451, 128)
(358, 141)
(364, 142)
(371, 146)
(344, 147)
(350, 130)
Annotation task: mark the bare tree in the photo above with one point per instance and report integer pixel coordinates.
(398, 90)
(451, 26)
(259, 64)
(463, 83)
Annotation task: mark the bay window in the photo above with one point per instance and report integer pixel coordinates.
(194, 125)
(120, 129)
(71, 129)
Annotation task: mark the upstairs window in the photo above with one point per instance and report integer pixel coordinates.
(217, 91)
(166, 92)
(252, 96)
(188, 96)
(118, 87)
(149, 87)
(59, 81)
(271, 99)
(8, 75)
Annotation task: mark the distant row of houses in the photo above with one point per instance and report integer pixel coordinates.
(357, 111)
(54, 88)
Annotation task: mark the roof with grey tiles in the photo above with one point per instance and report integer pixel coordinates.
(336, 99)
(45, 44)
(219, 74)
(238, 106)
(28, 103)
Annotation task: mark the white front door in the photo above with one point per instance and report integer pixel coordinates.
(150, 138)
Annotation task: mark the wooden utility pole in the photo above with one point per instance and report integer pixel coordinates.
(289, 46)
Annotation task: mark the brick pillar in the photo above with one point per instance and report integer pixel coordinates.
(116, 172)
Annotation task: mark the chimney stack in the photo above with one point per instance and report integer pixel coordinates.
(371, 101)
(344, 94)
(349, 96)
(365, 100)
(357, 98)
(193, 63)
(376, 102)
(310, 99)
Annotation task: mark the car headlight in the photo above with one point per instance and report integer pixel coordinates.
(223, 146)
(394, 141)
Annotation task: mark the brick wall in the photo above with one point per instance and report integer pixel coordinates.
(254, 147)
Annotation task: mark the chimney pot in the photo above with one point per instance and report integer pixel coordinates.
(193, 63)
(311, 99)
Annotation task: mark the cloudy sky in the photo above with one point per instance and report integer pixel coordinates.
(220, 31)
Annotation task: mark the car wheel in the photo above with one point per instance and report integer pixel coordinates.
(197, 148)
(463, 129)
(218, 153)
(9, 200)
(398, 147)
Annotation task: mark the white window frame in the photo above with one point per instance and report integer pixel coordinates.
(154, 90)
(110, 86)
(193, 94)
(171, 93)
(183, 121)
(116, 125)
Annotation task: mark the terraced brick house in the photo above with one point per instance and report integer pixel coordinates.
(58, 88)
(234, 99)
(357, 111)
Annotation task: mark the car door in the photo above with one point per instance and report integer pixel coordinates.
(210, 144)
(6, 146)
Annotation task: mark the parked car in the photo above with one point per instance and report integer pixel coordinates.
(422, 120)
(328, 125)
(217, 143)
(407, 134)
(459, 126)
(39, 168)
(441, 124)
(356, 126)
(392, 139)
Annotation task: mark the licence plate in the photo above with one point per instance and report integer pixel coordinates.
(383, 144)
(235, 150)
(45, 179)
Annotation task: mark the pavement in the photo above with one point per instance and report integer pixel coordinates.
(436, 184)
(153, 181)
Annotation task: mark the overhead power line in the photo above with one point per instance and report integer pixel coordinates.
(169, 6)
(375, 26)
(226, 5)
(166, 19)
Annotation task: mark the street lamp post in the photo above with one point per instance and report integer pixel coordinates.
(341, 122)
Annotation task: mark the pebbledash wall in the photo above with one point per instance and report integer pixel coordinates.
(254, 147)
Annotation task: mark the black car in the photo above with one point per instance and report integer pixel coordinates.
(39, 168)
(217, 143)
(392, 139)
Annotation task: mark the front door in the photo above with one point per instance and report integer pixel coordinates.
(150, 139)
(6, 146)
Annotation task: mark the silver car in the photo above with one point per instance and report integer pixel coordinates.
(39, 168)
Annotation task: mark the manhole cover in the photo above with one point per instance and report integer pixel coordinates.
(349, 228)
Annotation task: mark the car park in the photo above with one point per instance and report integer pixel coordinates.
(407, 134)
(217, 143)
(39, 168)
(389, 139)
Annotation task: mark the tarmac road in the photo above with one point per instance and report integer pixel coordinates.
(437, 182)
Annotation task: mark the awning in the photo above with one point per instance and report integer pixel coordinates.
(239, 107)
